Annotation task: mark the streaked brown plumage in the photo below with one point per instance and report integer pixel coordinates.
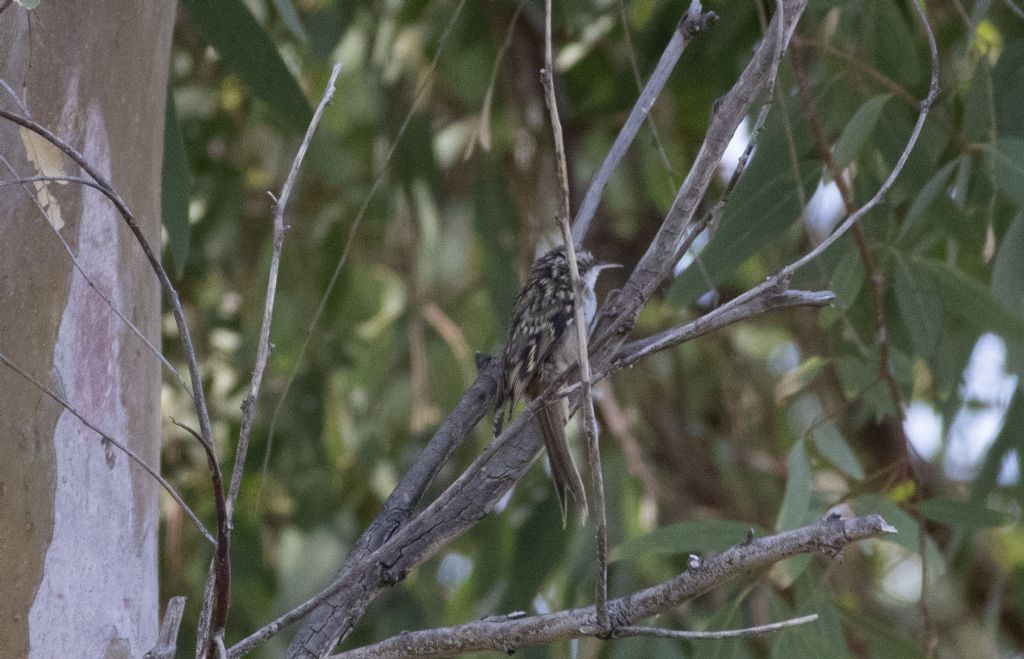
(541, 345)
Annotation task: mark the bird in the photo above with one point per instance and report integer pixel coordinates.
(542, 344)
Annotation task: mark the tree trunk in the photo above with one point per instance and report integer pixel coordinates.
(78, 522)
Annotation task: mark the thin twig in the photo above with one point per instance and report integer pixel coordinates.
(23, 182)
(263, 351)
(589, 418)
(711, 218)
(634, 68)
(693, 22)
(658, 632)
(507, 634)
(1014, 8)
(222, 574)
(862, 67)
(461, 422)
(115, 442)
(770, 300)
(873, 276)
(418, 96)
(198, 394)
(926, 104)
(167, 642)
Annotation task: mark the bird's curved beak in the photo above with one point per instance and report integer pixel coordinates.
(605, 266)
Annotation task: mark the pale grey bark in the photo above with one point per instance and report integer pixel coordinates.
(78, 520)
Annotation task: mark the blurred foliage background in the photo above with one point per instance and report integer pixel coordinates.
(435, 162)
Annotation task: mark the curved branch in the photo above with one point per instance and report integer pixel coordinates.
(198, 394)
(829, 536)
(23, 182)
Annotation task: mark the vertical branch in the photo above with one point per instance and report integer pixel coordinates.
(220, 594)
(421, 91)
(589, 419)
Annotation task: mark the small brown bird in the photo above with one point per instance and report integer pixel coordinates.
(541, 345)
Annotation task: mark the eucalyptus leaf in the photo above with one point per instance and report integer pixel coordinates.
(920, 306)
(1010, 438)
(1007, 162)
(962, 514)
(797, 498)
(696, 536)
(830, 443)
(972, 302)
(245, 48)
(927, 196)
(858, 130)
(1008, 269)
(290, 17)
(174, 189)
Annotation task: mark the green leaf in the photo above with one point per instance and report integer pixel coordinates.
(28, 4)
(245, 48)
(848, 278)
(821, 639)
(857, 131)
(927, 196)
(971, 302)
(174, 188)
(1007, 162)
(961, 514)
(1008, 269)
(830, 443)
(797, 499)
(290, 17)
(920, 307)
(695, 536)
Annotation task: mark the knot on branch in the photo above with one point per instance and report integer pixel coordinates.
(696, 21)
(390, 576)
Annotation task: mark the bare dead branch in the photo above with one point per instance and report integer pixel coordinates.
(828, 536)
(167, 642)
(589, 418)
(134, 457)
(772, 300)
(219, 597)
(521, 438)
(359, 581)
(263, 349)
(693, 22)
(623, 632)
